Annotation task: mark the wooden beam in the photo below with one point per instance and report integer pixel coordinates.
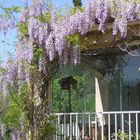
(95, 39)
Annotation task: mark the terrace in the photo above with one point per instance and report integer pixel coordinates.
(116, 73)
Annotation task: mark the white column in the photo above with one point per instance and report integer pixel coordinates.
(98, 99)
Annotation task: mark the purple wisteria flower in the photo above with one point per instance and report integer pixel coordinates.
(51, 36)
(102, 13)
(42, 65)
(4, 25)
(11, 72)
(15, 135)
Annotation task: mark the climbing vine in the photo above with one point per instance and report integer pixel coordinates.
(47, 41)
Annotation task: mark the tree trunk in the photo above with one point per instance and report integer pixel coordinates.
(31, 111)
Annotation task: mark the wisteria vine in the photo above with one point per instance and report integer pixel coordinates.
(40, 28)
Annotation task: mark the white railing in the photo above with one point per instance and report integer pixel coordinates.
(122, 125)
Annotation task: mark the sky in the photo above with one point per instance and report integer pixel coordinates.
(20, 2)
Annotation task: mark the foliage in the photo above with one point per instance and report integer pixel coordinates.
(82, 99)
(15, 112)
(77, 3)
(124, 135)
(46, 41)
(47, 129)
(23, 30)
(73, 39)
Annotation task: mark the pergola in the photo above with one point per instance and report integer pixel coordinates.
(106, 47)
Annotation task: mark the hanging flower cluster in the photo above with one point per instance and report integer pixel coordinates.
(43, 34)
(6, 24)
(41, 28)
(52, 35)
(7, 19)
